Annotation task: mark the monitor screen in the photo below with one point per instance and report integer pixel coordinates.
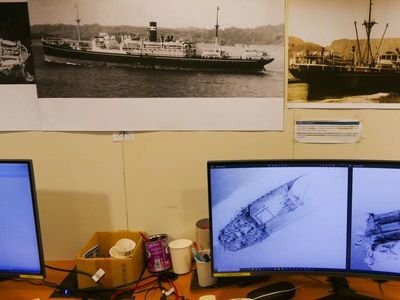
(326, 217)
(21, 252)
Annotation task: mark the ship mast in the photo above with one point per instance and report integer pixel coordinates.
(216, 30)
(380, 43)
(358, 44)
(368, 28)
(77, 22)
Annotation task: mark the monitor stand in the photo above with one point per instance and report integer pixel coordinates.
(341, 290)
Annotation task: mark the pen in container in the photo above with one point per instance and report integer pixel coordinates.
(195, 246)
(196, 253)
(144, 236)
(207, 257)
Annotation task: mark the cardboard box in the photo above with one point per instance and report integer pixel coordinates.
(118, 271)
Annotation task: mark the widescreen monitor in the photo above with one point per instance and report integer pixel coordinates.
(336, 218)
(21, 254)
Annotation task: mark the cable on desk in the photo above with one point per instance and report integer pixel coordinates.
(176, 290)
(97, 288)
(156, 283)
(379, 282)
(98, 284)
(149, 289)
(40, 282)
(69, 271)
(136, 289)
(139, 288)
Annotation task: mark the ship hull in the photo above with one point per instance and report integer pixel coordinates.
(15, 74)
(346, 77)
(81, 57)
(267, 214)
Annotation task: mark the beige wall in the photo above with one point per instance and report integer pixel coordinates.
(80, 185)
(380, 135)
(157, 182)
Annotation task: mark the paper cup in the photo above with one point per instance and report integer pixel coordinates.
(125, 247)
(181, 255)
(115, 253)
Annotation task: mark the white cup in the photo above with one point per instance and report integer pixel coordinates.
(181, 255)
(204, 275)
(115, 253)
(125, 247)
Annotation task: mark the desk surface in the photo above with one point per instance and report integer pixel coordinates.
(308, 287)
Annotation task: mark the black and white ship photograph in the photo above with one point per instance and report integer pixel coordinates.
(16, 62)
(156, 49)
(343, 52)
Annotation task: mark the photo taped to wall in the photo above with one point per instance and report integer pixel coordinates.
(16, 62)
(174, 48)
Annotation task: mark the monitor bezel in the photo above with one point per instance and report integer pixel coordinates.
(299, 162)
(41, 274)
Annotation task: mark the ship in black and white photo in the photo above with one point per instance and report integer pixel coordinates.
(188, 48)
(13, 58)
(16, 64)
(164, 52)
(363, 68)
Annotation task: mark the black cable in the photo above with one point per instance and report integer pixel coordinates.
(129, 283)
(149, 289)
(135, 291)
(91, 290)
(40, 282)
(48, 283)
(58, 287)
(75, 271)
(98, 289)
(111, 290)
(69, 271)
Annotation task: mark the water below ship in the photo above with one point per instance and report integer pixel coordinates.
(301, 92)
(71, 81)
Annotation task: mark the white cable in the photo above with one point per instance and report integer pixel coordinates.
(169, 292)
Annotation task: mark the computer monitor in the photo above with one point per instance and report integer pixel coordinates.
(21, 254)
(336, 218)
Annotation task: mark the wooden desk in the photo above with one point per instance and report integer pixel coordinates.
(22, 290)
(309, 287)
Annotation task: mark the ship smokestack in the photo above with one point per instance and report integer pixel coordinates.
(153, 32)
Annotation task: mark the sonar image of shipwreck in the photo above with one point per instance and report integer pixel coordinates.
(383, 228)
(261, 218)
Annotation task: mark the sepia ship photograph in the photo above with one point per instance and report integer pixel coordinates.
(16, 63)
(343, 52)
(162, 49)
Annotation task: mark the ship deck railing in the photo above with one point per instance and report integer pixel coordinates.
(10, 57)
(9, 52)
(341, 68)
